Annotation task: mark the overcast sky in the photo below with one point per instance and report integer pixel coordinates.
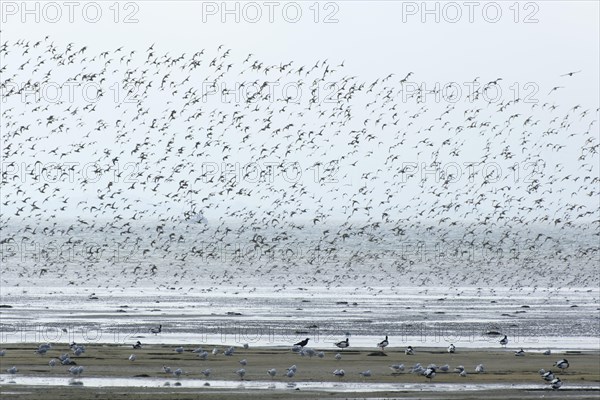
(441, 42)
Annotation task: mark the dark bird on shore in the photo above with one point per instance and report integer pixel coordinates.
(302, 343)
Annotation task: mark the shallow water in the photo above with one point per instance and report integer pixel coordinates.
(266, 385)
(535, 319)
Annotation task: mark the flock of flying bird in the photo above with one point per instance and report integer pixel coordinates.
(300, 348)
(348, 170)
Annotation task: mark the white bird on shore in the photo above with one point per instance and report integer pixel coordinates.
(243, 362)
(167, 370)
(397, 368)
(203, 355)
(272, 372)
(556, 383)
(338, 356)
(339, 372)
(409, 351)
(445, 368)
(179, 349)
(429, 373)
(451, 348)
(520, 353)
(156, 331)
(76, 371)
(229, 351)
(320, 354)
(384, 343)
(215, 351)
(12, 370)
(366, 373)
(198, 350)
(547, 352)
(463, 373)
(480, 369)
(2, 353)
(241, 372)
(52, 362)
(132, 357)
(459, 369)
(206, 372)
(562, 364)
(548, 376)
(177, 372)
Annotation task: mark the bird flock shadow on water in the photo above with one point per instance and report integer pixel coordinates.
(213, 167)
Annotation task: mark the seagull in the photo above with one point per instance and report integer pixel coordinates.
(445, 368)
(302, 343)
(156, 331)
(383, 343)
(76, 371)
(177, 372)
(480, 369)
(179, 349)
(366, 373)
(272, 372)
(339, 372)
(338, 356)
(132, 357)
(429, 373)
(343, 344)
(409, 351)
(243, 362)
(13, 370)
(52, 362)
(241, 372)
(397, 368)
(504, 341)
(451, 348)
(547, 352)
(206, 372)
(562, 364)
(138, 345)
(571, 73)
(167, 370)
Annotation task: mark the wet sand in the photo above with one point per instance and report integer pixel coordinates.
(503, 369)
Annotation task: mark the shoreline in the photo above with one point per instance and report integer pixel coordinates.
(107, 369)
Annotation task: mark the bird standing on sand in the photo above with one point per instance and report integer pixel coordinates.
(562, 364)
(343, 344)
(138, 345)
(556, 383)
(302, 343)
(383, 343)
(429, 373)
(409, 351)
(504, 341)
(156, 331)
(451, 348)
